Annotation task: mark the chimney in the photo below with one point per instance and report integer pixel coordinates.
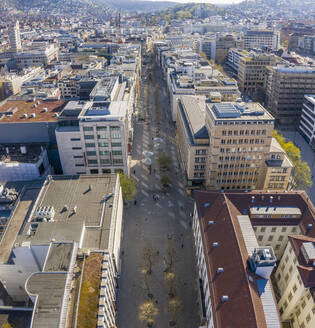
(220, 270)
(224, 298)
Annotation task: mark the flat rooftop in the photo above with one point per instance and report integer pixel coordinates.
(59, 257)
(239, 111)
(20, 111)
(21, 153)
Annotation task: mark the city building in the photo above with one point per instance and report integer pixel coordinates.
(240, 135)
(252, 72)
(307, 122)
(92, 137)
(221, 235)
(229, 146)
(223, 44)
(285, 89)
(192, 138)
(15, 38)
(295, 281)
(261, 39)
(23, 162)
(264, 227)
(64, 230)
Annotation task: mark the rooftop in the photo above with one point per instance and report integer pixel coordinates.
(30, 111)
(21, 153)
(239, 111)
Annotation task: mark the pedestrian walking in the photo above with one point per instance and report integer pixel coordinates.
(134, 171)
(135, 202)
(182, 245)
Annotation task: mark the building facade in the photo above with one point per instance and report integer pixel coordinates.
(307, 122)
(261, 39)
(15, 38)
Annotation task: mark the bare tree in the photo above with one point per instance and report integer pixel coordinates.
(174, 310)
(149, 256)
(169, 258)
(147, 312)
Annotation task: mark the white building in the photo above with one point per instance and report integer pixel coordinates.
(307, 122)
(261, 38)
(15, 38)
(92, 137)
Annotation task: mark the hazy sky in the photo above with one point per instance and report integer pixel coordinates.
(203, 1)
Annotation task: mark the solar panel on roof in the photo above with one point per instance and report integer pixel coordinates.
(226, 110)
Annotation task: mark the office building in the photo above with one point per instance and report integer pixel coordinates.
(92, 137)
(261, 39)
(240, 135)
(229, 146)
(307, 122)
(64, 230)
(285, 89)
(252, 72)
(15, 38)
(223, 44)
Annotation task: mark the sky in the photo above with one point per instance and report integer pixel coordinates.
(203, 1)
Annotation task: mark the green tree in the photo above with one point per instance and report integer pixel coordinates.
(165, 181)
(301, 174)
(128, 187)
(164, 161)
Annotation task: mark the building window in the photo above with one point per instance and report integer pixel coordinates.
(115, 128)
(75, 139)
(92, 161)
(77, 165)
(88, 128)
(286, 278)
(273, 229)
(280, 238)
(294, 229)
(290, 297)
(77, 156)
(291, 268)
(270, 238)
(91, 153)
(116, 144)
(117, 152)
(303, 304)
(284, 229)
(117, 161)
(101, 128)
(263, 229)
(277, 247)
(308, 318)
(105, 161)
(103, 152)
(76, 148)
(101, 136)
(103, 144)
(94, 171)
(260, 238)
(88, 136)
(90, 145)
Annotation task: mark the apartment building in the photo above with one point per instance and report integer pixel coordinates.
(192, 138)
(233, 58)
(252, 72)
(221, 235)
(240, 135)
(223, 44)
(92, 137)
(280, 224)
(295, 281)
(63, 231)
(307, 122)
(261, 39)
(285, 89)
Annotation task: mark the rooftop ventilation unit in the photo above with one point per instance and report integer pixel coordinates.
(23, 150)
(33, 115)
(224, 298)
(45, 110)
(46, 213)
(25, 115)
(56, 115)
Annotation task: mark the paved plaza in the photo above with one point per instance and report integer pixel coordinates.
(162, 225)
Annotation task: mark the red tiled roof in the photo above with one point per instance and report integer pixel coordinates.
(244, 307)
(24, 107)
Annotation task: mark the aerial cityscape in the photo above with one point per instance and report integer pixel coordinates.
(157, 161)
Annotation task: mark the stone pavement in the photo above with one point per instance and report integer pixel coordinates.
(150, 223)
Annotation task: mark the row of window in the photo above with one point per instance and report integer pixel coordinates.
(236, 181)
(103, 144)
(241, 141)
(101, 128)
(276, 185)
(237, 173)
(244, 150)
(113, 135)
(104, 152)
(243, 132)
(201, 151)
(231, 166)
(105, 161)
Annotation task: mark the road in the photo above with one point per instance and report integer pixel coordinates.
(163, 225)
